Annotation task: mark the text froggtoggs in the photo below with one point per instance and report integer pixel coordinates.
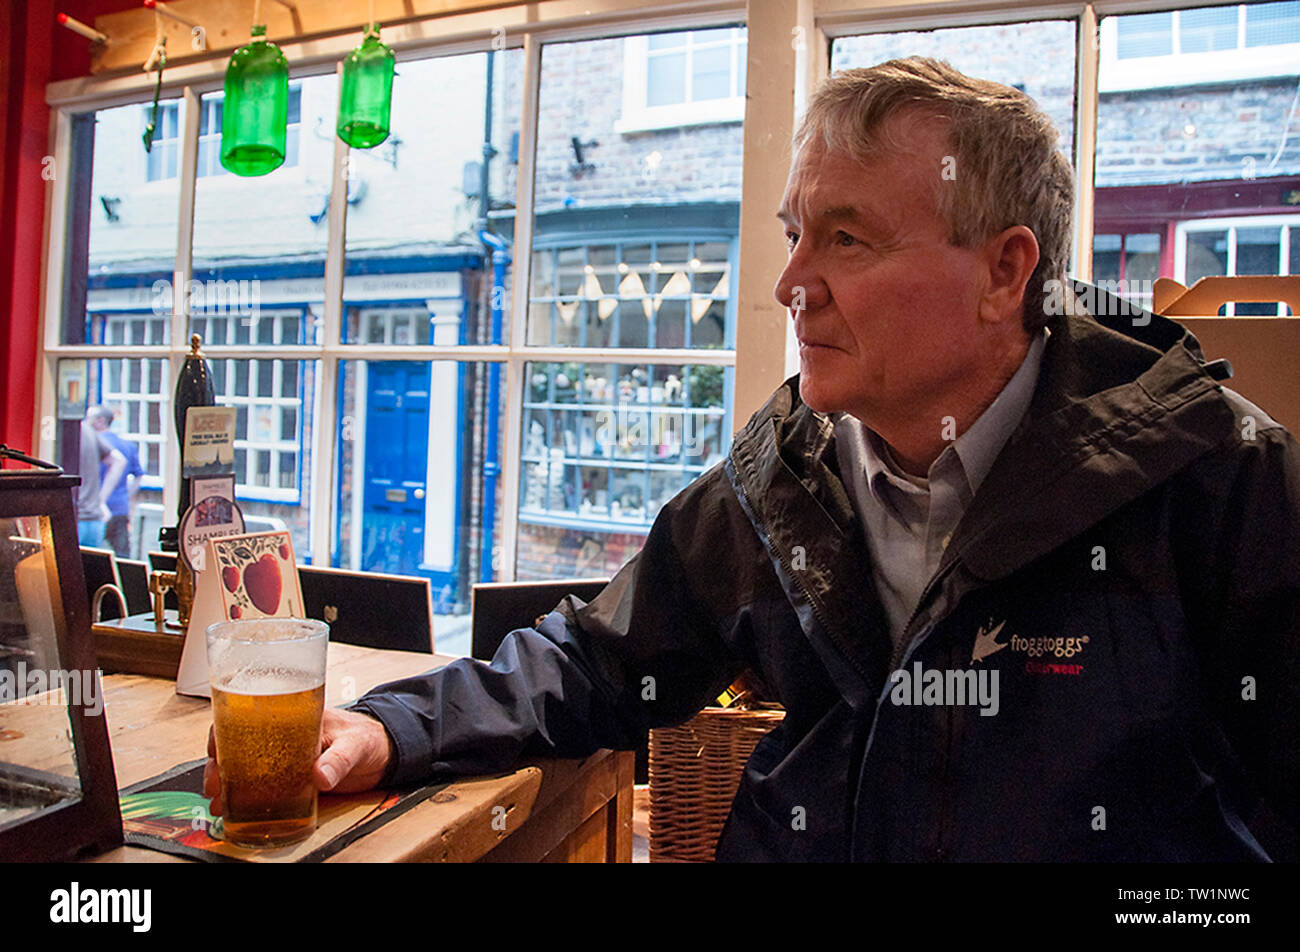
(74, 904)
(935, 687)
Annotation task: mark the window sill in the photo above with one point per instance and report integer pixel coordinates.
(650, 119)
(1199, 69)
(575, 521)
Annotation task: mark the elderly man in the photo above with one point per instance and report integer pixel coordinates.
(1026, 586)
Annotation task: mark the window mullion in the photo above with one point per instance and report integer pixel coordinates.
(1085, 141)
(324, 408)
(515, 384)
(182, 273)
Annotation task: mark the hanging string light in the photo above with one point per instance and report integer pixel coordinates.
(255, 114)
(366, 93)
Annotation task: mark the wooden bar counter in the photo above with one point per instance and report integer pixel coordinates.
(556, 810)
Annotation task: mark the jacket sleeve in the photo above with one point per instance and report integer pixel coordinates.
(1254, 632)
(647, 651)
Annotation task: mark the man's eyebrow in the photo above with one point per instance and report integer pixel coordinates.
(850, 213)
(845, 213)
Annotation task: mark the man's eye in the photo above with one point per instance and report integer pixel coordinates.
(844, 239)
(791, 239)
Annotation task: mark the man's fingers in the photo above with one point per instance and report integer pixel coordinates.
(356, 752)
(212, 777)
(337, 761)
(212, 787)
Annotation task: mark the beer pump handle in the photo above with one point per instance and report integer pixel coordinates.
(193, 389)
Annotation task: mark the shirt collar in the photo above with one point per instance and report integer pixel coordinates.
(975, 450)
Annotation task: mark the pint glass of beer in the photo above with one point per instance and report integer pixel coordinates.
(268, 693)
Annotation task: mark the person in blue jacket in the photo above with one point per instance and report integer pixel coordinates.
(117, 531)
(1025, 578)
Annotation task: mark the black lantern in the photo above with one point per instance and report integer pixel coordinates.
(58, 794)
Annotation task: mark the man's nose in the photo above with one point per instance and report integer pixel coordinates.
(800, 287)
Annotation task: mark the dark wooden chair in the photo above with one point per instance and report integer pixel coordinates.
(370, 609)
(100, 568)
(498, 608)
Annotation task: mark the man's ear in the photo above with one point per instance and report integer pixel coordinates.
(1011, 256)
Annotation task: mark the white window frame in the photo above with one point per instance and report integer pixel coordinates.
(787, 54)
(1290, 230)
(638, 117)
(276, 402)
(1188, 69)
(525, 26)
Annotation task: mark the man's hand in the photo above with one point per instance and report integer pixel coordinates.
(355, 753)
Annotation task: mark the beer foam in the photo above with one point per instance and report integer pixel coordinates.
(262, 680)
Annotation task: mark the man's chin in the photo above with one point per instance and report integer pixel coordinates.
(816, 397)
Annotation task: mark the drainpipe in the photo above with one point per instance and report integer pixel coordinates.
(491, 458)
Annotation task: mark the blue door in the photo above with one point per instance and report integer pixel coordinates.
(397, 445)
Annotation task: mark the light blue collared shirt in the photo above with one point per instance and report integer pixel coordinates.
(909, 520)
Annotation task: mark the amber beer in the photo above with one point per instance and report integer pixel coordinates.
(266, 746)
(268, 695)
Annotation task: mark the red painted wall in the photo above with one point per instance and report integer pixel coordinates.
(34, 51)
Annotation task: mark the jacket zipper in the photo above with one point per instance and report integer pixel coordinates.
(792, 575)
(899, 655)
(904, 650)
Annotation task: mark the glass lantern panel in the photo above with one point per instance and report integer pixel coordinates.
(38, 763)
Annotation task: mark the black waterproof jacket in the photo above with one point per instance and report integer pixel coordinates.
(1130, 567)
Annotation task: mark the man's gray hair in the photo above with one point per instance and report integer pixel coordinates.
(1006, 168)
(101, 412)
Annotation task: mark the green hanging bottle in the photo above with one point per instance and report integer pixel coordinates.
(255, 114)
(366, 93)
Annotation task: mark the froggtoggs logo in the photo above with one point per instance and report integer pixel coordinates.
(1056, 647)
(986, 642)
(1050, 648)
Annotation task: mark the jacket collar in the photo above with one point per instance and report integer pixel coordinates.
(1112, 417)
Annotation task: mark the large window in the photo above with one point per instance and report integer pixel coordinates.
(476, 360)
(635, 234)
(638, 293)
(678, 79)
(1191, 47)
(1256, 245)
(1197, 169)
(1037, 58)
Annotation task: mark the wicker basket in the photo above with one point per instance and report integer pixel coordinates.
(694, 772)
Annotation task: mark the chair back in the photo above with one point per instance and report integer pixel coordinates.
(498, 608)
(370, 609)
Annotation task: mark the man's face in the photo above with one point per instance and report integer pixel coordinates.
(885, 309)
